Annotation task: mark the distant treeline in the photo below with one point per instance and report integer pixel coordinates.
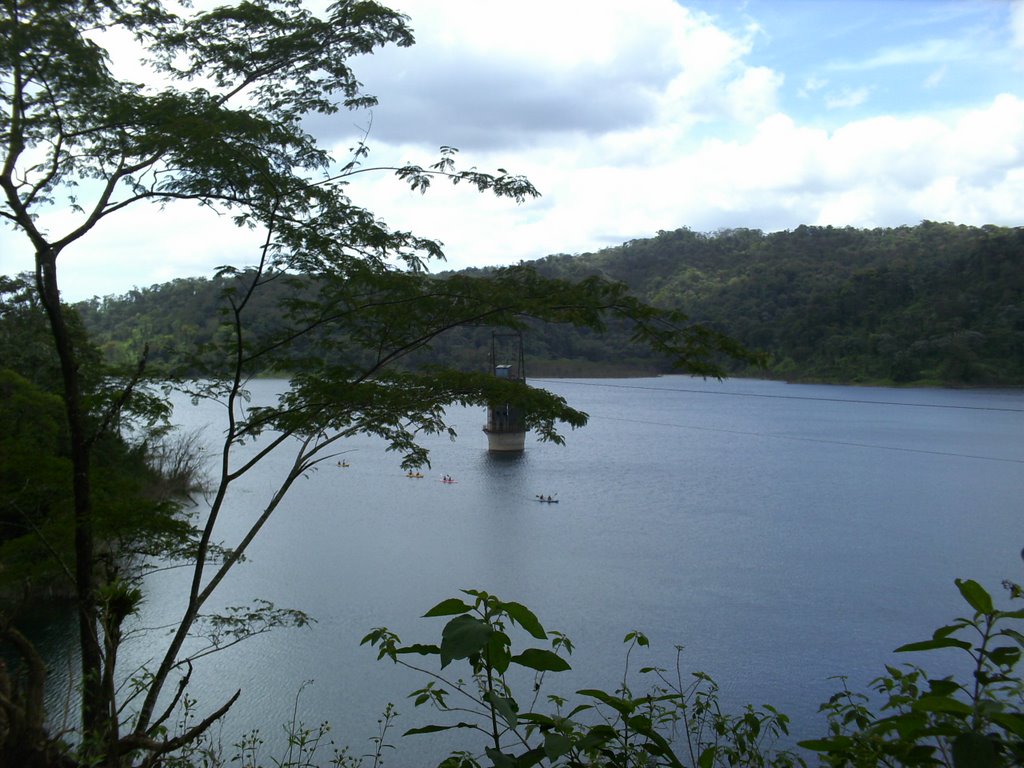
(930, 304)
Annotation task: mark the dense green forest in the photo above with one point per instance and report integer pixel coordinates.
(136, 485)
(929, 304)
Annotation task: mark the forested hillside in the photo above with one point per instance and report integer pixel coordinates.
(934, 303)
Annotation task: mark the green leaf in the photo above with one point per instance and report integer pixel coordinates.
(577, 709)
(638, 637)
(622, 706)
(975, 595)
(530, 758)
(536, 718)
(659, 746)
(462, 637)
(1014, 635)
(525, 618)
(907, 725)
(707, 757)
(458, 760)
(974, 750)
(556, 745)
(420, 648)
(1005, 656)
(834, 744)
(948, 630)
(436, 728)
(641, 724)
(921, 754)
(448, 607)
(597, 737)
(943, 687)
(499, 654)
(499, 759)
(541, 660)
(1011, 721)
(931, 645)
(942, 704)
(504, 706)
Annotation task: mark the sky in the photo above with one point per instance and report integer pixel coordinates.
(635, 116)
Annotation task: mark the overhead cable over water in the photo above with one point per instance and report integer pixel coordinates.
(780, 397)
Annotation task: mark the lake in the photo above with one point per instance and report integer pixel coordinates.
(784, 534)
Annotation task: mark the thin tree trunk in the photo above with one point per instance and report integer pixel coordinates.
(94, 708)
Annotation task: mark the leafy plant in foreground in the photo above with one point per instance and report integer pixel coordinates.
(606, 729)
(977, 723)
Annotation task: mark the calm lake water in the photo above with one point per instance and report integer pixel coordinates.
(784, 534)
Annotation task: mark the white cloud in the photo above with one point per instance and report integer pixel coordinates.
(847, 99)
(935, 51)
(754, 93)
(1017, 23)
(879, 171)
(141, 246)
(811, 86)
(885, 171)
(935, 78)
(494, 75)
